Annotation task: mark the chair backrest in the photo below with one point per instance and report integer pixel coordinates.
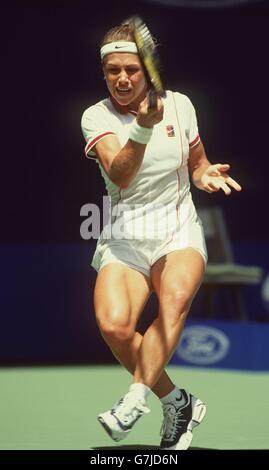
(216, 235)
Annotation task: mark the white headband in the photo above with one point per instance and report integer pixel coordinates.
(119, 46)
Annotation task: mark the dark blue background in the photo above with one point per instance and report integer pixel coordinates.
(50, 73)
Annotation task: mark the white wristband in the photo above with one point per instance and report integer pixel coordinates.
(140, 134)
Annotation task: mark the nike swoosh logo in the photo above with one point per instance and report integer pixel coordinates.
(184, 398)
(119, 47)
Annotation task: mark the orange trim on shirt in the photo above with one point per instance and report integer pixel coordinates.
(195, 141)
(179, 128)
(95, 140)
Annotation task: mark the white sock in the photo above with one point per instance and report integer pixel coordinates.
(141, 391)
(173, 396)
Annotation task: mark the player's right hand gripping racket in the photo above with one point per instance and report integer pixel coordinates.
(149, 58)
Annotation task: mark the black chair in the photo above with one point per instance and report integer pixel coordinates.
(222, 272)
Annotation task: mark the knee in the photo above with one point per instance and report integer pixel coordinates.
(176, 301)
(116, 332)
(115, 327)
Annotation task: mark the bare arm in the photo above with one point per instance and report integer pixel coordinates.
(122, 164)
(198, 164)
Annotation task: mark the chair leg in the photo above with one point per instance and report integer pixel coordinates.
(240, 310)
(208, 301)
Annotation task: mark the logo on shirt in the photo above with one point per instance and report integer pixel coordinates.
(170, 131)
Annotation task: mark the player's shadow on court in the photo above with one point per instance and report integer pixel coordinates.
(138, 446)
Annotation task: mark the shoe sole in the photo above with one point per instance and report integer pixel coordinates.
(198, 414)
(106, 420)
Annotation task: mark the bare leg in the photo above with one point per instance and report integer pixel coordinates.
(176, 277)
(120, 296)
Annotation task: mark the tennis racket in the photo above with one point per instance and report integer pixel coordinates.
(149, 58)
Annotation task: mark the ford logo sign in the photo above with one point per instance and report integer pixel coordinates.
(203, 345)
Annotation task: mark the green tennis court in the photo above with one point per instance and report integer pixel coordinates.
(56, 408)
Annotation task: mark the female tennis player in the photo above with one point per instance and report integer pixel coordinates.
(156, 242)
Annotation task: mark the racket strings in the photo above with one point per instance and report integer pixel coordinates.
(147, 50)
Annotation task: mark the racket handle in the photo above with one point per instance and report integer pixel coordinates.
(152, 98)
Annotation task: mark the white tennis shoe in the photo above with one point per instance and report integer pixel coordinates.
(119, 421)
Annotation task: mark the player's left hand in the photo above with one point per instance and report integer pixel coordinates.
(215, 178)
